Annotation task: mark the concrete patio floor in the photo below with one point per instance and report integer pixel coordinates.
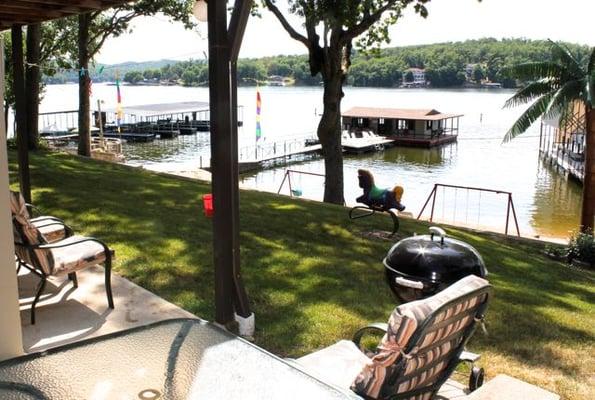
(65, 315)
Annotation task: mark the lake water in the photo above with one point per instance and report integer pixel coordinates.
(546, 204)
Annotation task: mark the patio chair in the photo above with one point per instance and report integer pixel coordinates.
(62, 257)
(51, 228)
(422, 346)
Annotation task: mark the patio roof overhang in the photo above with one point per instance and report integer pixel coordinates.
(25, 12)
(224, 46)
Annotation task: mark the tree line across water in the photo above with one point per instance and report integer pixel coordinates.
(445, 64)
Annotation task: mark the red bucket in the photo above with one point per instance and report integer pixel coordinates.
(207, 202)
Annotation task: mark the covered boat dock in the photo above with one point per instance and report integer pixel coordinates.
(406, 127)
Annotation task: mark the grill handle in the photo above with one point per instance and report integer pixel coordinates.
(434, 230)
(409, 283)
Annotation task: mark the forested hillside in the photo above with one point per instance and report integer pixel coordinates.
(450, 64)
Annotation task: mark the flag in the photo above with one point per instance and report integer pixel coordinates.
(258, 104)
(119, 111)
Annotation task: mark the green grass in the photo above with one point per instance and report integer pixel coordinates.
(311, 275)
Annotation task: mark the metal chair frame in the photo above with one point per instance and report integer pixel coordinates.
(43, 276)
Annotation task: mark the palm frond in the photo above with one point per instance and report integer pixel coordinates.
(563, 99)
(531, 115)
(567, 59)
(534, 71)
(530, 92)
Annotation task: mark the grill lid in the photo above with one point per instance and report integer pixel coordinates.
(435, 258)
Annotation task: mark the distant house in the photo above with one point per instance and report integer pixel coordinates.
(419, 77)
(469, 71)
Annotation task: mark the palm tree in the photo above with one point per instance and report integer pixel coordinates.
(555, 86)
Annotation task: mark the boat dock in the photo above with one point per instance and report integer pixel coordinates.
(404, 127)
(564, 146)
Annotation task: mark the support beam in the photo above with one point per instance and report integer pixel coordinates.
(22, 134)
(230, 295)
(10, 322)
(221, 162)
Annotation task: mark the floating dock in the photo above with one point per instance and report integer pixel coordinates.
(564, 146)
(404, 127)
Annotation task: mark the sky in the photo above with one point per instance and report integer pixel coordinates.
(155, 38)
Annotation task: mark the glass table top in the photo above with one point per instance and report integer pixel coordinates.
(175, 359)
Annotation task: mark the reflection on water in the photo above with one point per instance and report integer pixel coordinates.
(546, 204)
(552, 215)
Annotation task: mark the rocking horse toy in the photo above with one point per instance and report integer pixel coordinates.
(377, 200)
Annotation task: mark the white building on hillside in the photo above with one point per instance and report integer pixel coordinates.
(419, 77)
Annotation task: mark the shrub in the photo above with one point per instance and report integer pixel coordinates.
(582, 247)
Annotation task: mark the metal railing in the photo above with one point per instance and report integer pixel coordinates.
(271, 150)
(287, 176)
(61, 120)
(509, 204)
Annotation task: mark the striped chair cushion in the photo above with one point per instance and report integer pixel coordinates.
(27, 234)
(403, 322)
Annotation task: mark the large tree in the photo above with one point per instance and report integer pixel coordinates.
(331, 27)
(553, 87)
(94, 28)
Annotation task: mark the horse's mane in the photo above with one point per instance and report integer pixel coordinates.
(366, 176)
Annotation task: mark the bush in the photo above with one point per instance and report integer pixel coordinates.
(582, 247)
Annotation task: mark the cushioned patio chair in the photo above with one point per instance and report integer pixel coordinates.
(61, 257)
(422, 346)
(51, 228)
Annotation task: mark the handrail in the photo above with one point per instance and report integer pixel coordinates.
(509, 206)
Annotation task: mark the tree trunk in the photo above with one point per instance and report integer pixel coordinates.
(32, 80)
(588, 209)
(329, 133)
(84, 147)
(20, 111)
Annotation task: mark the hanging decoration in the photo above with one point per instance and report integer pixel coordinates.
(258, 105)
(119, 111)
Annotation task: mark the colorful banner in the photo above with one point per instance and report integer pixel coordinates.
(119, 111)
(258, 104)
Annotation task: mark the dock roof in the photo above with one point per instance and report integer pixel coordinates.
(398, 113)
(148, 110)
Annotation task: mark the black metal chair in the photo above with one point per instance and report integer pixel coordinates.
(423, 344)
(61, 257)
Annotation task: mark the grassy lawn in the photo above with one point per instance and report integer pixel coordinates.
(312, 277)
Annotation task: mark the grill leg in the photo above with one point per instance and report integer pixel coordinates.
(108, 281)
(40, 288)
(74, 279)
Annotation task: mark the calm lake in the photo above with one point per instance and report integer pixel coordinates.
(546, 204)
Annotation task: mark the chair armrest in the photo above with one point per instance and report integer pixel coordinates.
(377, 326)
(31, 208)
(108, 252)
(47, 217)
(467, 356)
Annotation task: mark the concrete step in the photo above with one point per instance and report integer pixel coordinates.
(504, 387)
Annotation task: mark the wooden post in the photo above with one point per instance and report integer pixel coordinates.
(223, 50)
(221, 161)
(21, 111)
